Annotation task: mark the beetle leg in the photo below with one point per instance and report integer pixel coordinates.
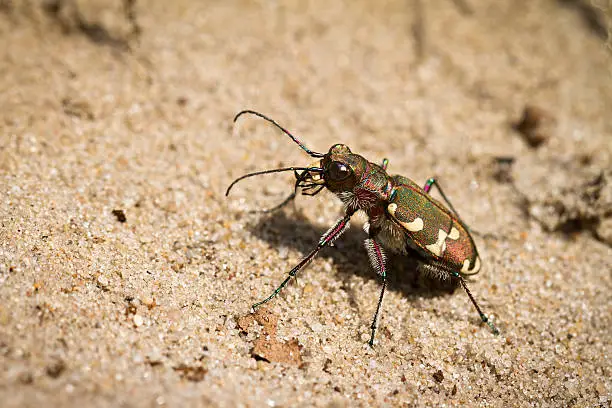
(483, 316)
(328, 238)
(439, 271)
(432, 181)
(378, 259)
(434, 270)
(286, 201)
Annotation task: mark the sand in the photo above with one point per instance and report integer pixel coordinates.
(126, 275)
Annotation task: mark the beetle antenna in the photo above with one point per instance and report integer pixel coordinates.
(285, 131)
(257, 173)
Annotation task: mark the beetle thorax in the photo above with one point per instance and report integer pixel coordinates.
(360, 185)
(370, 192)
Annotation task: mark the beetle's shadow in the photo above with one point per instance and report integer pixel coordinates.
(349, 256)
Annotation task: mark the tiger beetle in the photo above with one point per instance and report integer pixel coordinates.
(402, 217)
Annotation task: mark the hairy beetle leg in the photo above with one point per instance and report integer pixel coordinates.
(332, 234)
(378, 260)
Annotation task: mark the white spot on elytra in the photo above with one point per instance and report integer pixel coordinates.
(466, 266)
(454, 234)
(439, 246)
(413, 226)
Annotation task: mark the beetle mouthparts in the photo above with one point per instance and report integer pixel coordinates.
(314, 176)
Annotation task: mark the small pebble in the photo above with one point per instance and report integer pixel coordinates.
(138, 320)
(102, 281)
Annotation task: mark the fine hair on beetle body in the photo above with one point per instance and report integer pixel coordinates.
(403, 217)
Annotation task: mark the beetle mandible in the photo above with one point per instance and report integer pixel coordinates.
(402, 217)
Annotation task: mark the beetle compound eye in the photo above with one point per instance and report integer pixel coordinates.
(338, 171)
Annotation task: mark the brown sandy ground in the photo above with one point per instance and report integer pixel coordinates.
(126, 276)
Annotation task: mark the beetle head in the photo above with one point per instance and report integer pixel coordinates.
(341, 169)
